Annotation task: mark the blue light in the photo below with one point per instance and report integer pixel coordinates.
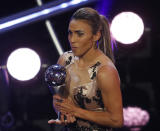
(77, 1)
(45, 11)
(64, 5)
(22, 19)
(26, 18)
(104, 6)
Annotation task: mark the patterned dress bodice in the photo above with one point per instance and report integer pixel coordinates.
(84, 91)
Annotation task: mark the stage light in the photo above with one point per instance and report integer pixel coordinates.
(127, 27)
(23, 64)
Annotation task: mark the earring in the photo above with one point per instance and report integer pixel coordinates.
(96, 44)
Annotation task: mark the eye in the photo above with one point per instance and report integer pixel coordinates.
(80, 33)
(69, 32)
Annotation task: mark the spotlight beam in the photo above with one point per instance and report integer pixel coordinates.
(39, 13)
(51, 32)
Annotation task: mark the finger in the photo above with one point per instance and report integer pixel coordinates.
(73, 119)
(65, 122)
(60, 100)
(56, 108)
(57, 103)
(52, 121)
(62, 118)
(62, 109)
(56, 96)
(68, 118)
(62, 105)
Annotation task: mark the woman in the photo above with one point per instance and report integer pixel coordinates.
(94, 101)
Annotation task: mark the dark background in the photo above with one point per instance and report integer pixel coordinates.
(31, 102)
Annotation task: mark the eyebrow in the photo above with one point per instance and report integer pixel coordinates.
(77, 31)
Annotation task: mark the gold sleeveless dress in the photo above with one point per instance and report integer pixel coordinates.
(84, 91)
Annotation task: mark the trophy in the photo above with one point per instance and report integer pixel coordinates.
(55, 76)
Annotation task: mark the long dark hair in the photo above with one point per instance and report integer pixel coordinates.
(98, 23)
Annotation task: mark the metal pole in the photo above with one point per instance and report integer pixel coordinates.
(51, 32)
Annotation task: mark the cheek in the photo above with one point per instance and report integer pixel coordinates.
(86, 43)
(84, 46)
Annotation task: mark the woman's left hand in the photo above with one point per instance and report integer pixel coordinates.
(63, 121)
(66, 106)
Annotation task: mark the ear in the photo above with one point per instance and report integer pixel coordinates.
(97, 36)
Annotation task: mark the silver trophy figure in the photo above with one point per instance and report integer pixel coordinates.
(55, 76)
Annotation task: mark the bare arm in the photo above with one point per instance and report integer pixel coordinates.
(109, 83)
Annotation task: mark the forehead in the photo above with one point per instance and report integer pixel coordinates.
(79, 25)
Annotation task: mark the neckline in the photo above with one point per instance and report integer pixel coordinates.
(88, 66)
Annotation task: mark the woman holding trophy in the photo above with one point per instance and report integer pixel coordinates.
(93, 100)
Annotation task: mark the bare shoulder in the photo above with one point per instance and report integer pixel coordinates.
(107, 75)
(61, 60)
(64, 57)
(107, 69)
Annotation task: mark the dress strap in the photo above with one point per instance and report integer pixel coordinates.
(69, 58)
(93, 70)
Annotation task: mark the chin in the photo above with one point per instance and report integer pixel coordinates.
(76, 54)
(79, 54)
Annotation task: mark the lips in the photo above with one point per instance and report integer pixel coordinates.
(74, 48)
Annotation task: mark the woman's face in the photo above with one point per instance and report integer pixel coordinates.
(80, 37)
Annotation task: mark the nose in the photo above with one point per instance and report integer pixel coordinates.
(72, 38)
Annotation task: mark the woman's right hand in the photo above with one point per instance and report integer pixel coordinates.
(56, 98)
(65, 118)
